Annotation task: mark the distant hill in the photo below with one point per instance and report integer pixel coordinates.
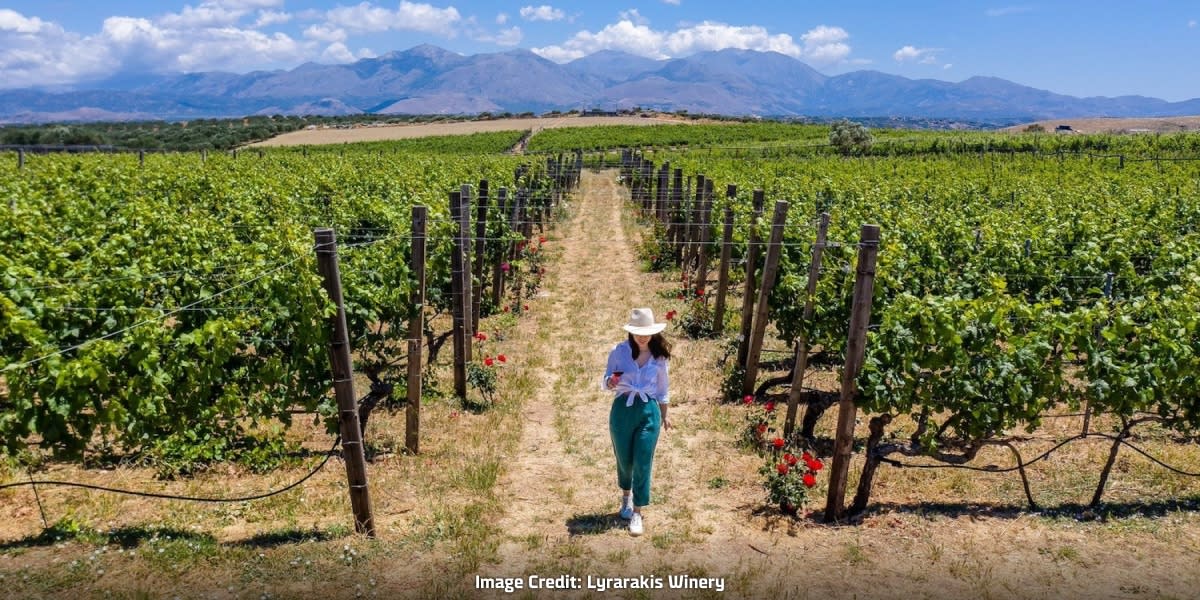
(430, 80)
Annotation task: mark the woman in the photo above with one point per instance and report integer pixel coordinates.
(637, 372)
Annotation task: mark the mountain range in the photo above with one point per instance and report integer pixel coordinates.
(430, 80)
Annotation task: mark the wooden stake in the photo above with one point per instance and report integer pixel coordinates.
(416, 327)
(481, 211)
(814, 272)
(343, 384)
(692, 226)
(723, 274)
(664, 185)
(458, 328)
(856, 345)
(774, 249)
(500, 255)
(464, 231)
(749, 296)
(705, 235)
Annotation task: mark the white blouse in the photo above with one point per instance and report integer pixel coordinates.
(646, 382)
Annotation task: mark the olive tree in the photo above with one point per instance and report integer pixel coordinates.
(849, 137)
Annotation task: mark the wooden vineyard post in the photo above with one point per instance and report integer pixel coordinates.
(705, 234)
(141, 159)
(481, 211)
(723, 274)
(20, 159)
(500, 257)
(674, 232)
(692, 227)
(660, 208)
(459, 328)
(856, 346)
(814, 271)
(751, 265)
(464, 232)
(416, 328)
(526, 232)
(759, 329)
(343, 384)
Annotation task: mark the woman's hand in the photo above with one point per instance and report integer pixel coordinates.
(667, 424)
(613, 380)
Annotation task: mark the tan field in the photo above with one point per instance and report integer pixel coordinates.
(1119, 125)
(399, 132)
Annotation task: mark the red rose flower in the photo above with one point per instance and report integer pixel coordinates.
(782, 468)
(790, 458)
(814, 465)
(488, 361)
(778, 443)
(748, 400)
(541, 239)
(700, 292)
(504, 267)
(670, 315)
(762, 428)
(809, 480)
(501, 358)
(806, 457)
(525, 307)
(770, 407)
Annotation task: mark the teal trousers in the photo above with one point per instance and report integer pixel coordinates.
(634, 430)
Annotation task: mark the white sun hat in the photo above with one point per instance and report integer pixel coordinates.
(641, 322)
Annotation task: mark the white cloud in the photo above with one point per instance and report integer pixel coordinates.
(326, 33)
(267, 18)
(13, 21)
(925, 56)
(821, 45)
(544, 12)
(501, 18)
(947, 67)
(633, 16)
(672, 2)
(38, 52)
(1192, 24)
(409, 16)
(246, 4)
(212, 35)
(1007, 10)
(505, 37)
(208, 14)
(337, 52)
(509, 37)
(825, 45)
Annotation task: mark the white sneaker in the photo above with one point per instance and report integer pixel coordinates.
(635, 524)
(626, 507)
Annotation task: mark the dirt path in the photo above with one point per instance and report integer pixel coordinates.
(561, 489)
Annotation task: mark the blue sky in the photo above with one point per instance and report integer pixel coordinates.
(1082, 48)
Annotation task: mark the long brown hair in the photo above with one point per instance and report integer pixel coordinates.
(659, 346)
